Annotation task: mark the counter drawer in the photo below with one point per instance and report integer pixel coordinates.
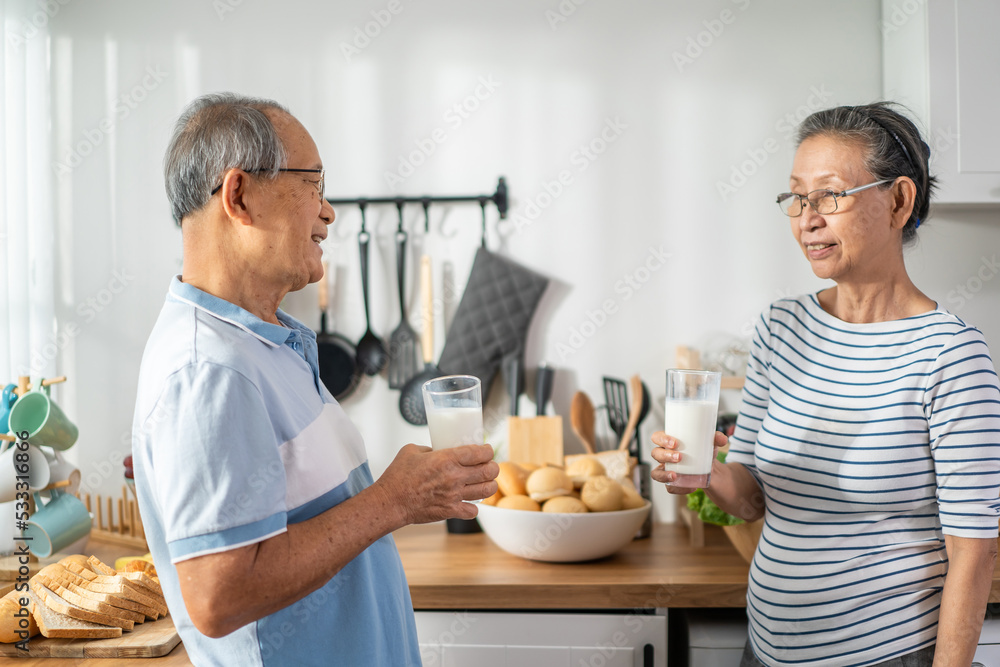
(521, 639)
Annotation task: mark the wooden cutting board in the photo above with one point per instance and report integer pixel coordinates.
(10, 566)
(151, 639)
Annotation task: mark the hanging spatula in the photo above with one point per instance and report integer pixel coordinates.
(403, 341)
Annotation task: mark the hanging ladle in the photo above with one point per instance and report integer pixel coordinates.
(371, 353)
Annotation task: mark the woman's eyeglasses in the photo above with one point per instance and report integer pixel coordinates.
(824, 202)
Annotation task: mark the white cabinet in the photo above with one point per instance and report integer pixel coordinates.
(941, 58)
(521, 639)
(988, 653)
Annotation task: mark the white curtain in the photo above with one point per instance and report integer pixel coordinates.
(28, 342)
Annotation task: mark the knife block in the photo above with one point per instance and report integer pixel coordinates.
(535, 440)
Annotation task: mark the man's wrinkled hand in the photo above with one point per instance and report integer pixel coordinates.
(428, 485)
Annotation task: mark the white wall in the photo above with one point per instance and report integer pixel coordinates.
(685, 128)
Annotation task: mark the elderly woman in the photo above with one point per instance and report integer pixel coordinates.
(868, 433)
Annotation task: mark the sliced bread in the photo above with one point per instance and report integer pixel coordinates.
(54, 624)
(57, 603)
(138, 577)
(118, 585)
(88, 603)
(77, 584)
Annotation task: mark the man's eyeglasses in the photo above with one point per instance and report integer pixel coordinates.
(321, 185)
(824, 202)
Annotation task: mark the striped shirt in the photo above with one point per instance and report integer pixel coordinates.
(870, 443)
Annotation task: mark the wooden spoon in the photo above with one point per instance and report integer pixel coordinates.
(581, 416)
(635, 388)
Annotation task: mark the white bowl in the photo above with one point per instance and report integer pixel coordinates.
(561, 538)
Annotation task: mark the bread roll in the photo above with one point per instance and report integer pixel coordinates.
(564, 505)
(631, 499)
(547, 483)
(492, 500)
(11, 617)
(602, 494)
(511, 479)
(581, 469)
(519, 502)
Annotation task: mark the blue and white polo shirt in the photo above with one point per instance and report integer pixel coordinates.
(234, 438)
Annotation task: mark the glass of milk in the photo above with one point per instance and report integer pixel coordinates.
(454, 405)
(691, 412)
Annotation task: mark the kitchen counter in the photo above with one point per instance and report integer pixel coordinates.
(448, 571)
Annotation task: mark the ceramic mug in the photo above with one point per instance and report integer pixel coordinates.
(7, 399)
(12, 465)
(44, 421)
(56, 524)
(60, 469)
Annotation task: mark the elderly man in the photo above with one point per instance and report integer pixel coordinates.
(271, 539)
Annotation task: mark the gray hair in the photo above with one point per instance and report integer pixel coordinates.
(893, 148)
(216, 133)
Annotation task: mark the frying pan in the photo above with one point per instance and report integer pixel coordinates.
(338, 368)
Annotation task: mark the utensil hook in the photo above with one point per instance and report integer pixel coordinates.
(482, 205)
(362, 205)
(399, 209)
(426, 203)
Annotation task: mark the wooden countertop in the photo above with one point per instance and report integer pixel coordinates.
(448, 571)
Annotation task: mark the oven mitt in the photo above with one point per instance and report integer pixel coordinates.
(492, 318)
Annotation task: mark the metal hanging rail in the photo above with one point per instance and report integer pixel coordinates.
(499, 198)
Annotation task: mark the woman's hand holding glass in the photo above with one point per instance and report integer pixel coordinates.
(664, 452)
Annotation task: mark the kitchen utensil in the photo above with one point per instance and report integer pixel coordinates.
(543, 388)
(411, 401)
(628, 433)
(643, 483)
(371, 353)
(537, 439)
(492, 318)
(581, 418)
(338, 366)
(561, 538)
(151, 639)
(403, 342)
(513, 378)
(616, 400)
(642, 417)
